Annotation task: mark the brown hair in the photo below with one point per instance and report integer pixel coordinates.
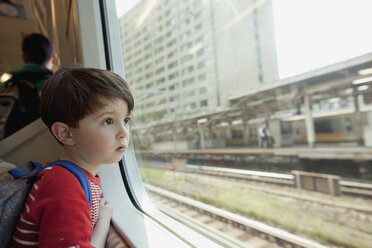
(73, 92)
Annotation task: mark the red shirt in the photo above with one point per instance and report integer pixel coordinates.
(57, 212)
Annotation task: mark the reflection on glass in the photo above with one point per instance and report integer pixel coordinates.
(261, 85)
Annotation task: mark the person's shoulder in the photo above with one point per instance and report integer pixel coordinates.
(18, 69)
(31, 70)
(34, 73)
(58, 178)
(56, 171)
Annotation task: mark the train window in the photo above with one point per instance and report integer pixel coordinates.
(237, 134)
(324, 126)
(264, 115)
(348, 125)
(286, 128)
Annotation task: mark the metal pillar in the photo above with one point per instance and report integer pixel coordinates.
(309, 122)
(358, 120)
(201, 132)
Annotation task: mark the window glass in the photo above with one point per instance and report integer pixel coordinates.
(279, 86)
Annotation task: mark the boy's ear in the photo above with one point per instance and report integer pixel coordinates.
(62, 133)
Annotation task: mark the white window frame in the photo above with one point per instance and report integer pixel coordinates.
(135, 217)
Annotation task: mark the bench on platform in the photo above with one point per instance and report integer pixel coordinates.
(325, 183)
(179, 163)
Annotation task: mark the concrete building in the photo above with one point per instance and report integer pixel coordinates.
(184, 58)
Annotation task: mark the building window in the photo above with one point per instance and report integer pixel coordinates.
(201, 64)
(146, 38)
(173, 87)
(150, 104)
(189, 94)
(148, 75)
(158, 40)
(188, 82)
(159, 60)
(173, 76)
(173, 64)
(200, 52)
(160, 70)
(171, 43)
(171, 54)
(186, 58)
(174, 98)
(203, 103)
(190, 106)
(186, 46)
(185, 35)
(162, 101)
(147, 56)
(187, 70)
(200, 38)
(202, 77)
(168, 34)
(148, 66)
(185, 23)
(202, 90)
(199, 27)
(159, 50)
(147, 47)
(170, 22)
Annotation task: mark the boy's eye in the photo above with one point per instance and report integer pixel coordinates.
(108, 121)
(126, 120)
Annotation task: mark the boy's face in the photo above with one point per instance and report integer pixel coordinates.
(103, 136)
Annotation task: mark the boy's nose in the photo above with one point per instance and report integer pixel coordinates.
(123, 132)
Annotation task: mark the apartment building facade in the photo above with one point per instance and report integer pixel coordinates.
(182, 58)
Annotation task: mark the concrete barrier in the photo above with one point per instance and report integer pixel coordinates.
(178, 163)
(320, 182)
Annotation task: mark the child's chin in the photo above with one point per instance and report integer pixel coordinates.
(113, 160)
(118, 158)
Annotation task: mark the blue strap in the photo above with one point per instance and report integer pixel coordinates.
(79, 173)
(19, 173)
(70, 166)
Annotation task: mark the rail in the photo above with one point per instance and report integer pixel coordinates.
(271, 234)
(347, 187)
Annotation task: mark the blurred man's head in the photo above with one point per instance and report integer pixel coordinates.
(38, 49)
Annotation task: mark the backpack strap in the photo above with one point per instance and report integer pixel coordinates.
(25, 170)
(79, 173)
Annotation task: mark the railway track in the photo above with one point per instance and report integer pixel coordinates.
(346, 187)
(239, 231)
(287, 181)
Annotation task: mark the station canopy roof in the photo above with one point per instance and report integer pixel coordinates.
(284, 95)
(325, 83)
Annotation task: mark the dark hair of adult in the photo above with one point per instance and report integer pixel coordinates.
(75, 92)
(37, 48)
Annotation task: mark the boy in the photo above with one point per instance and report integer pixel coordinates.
(87, 111)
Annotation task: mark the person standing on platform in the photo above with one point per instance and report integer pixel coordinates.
(266, 137)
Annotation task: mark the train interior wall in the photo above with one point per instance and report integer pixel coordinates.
(34, 142)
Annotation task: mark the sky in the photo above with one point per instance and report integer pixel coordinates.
(313, 33)
(122, 6)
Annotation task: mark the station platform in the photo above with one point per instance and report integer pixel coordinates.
(332, 153)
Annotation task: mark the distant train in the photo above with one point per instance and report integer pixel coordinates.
(335, 127)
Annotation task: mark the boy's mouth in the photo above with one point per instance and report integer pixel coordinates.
(121, 148)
